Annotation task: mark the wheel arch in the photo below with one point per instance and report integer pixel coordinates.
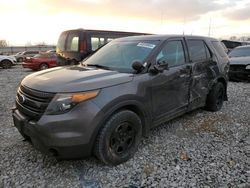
(8, 60)
(5, 60)
(137, 110)
(133, 106)
(224, 82)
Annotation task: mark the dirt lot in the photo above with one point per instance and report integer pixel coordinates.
(199, 149)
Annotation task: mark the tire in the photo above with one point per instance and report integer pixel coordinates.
(118, 140)
(20, 59)
(43, 66)
(215, 97)
(6, 64)
(73, 62)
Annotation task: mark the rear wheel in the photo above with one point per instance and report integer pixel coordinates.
(73, 62)
(119, 138)
(6, 64)
(215, 97)
(43, 66)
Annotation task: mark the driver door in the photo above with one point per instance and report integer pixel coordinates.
(170, 89)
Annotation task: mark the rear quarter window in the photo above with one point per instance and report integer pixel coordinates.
(218, 47)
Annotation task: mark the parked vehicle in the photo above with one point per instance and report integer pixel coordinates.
(231, 44)
(7, 61)
(104, 105)
(18, 53)
(75, 45)
(240, 63)
(41, 61)
(51, 51)
(20, 57)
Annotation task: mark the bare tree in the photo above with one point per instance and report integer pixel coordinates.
(3, 43)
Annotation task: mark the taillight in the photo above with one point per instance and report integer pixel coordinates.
(83, 46)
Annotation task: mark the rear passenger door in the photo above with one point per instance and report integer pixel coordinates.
(201, 61)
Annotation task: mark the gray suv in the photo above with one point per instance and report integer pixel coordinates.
(105, 105)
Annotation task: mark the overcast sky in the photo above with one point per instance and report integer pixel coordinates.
(36, 21)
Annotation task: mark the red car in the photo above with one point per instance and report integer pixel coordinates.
(41, 61)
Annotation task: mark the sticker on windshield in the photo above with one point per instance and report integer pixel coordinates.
(146, 45)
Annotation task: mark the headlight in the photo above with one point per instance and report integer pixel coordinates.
(64, 102)
(248, 67)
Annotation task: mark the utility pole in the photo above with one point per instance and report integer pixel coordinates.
(209, 28)
(184, 25)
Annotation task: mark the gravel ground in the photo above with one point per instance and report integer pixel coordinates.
(199, 149)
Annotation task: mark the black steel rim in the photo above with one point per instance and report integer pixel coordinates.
(122, 138)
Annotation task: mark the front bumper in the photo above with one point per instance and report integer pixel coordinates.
(239, 75)
(66, 136)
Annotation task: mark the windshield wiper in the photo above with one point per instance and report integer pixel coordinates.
(98, 66)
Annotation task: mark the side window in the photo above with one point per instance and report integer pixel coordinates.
(101, 42)
(219, 48)
(61, 41)
(94, 43)
(109, 39)
(172, 53)
(97, 42)
(197, 50)
(31, 52)
(72, 42)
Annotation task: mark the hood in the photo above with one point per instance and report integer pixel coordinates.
(74, 79)
(239, 60)
(12, 58)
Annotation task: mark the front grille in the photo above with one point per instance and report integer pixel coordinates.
(32, 103)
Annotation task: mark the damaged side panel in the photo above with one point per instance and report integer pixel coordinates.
(204, 69)
(170, 92)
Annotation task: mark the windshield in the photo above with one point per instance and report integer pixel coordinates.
(240, 52)
(61, 42)
(119, 55)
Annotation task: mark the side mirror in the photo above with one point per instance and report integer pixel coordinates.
(159, 67)
(138, 66)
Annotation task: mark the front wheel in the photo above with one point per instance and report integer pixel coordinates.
(119, 138)
(6, 64)
(215, 97)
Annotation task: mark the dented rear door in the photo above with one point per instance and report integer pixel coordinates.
(201, 62)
